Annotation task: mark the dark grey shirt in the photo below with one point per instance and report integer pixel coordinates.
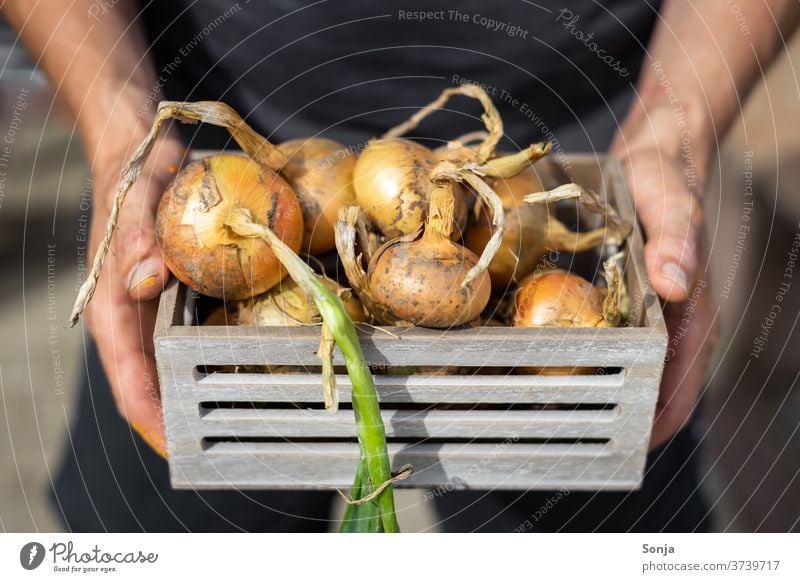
(557, 70)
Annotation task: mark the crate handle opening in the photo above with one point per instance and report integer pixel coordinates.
(576, 372)
(208, 443)
(208, 406)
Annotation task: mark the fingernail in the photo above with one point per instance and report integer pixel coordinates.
(143, 276)
(674, 273)
(162, 451)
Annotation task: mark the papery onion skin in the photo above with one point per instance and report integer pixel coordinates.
(321, 173)
(197, 246)
(421, 283)
(525, 236)
(392, 185)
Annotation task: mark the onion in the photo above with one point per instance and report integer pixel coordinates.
(419, 278)
(321, 173)
(254, 145)
(287, 304)
(197, 246)
(557, 298)
(392, 176)
(392, 185)
(531, 229)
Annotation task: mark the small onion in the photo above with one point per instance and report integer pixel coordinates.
(532, 230)
(321, 173)
(198, 247)
(287, 304)
(557, 298)
(392, 184)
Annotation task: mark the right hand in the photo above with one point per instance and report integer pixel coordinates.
(122, 313)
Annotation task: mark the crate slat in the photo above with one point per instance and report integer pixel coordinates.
(440, 467)
(508, 347)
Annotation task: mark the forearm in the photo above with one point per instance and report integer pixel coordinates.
(702, 62)
(96, 62)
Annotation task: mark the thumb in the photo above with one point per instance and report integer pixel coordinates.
(672, 218)
(671, 250)
(137, 254)
(142, 267)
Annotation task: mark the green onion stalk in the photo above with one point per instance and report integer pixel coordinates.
(364, 517)
(369, 423)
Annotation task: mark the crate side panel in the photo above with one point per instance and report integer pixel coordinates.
(640, 286)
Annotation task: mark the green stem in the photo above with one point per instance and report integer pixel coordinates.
(363, 517)
(369, 423)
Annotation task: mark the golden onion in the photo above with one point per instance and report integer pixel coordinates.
(198, 247)
(392, 185)
(321, 173)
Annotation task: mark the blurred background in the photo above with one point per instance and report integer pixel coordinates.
(750, 411)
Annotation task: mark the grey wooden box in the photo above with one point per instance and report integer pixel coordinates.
(269, 431)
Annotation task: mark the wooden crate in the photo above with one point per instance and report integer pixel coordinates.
(270, 431)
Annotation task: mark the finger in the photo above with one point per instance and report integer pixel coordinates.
(693, 327)
(142, 267)
(670, 262)
(672, 218)
(123, 331)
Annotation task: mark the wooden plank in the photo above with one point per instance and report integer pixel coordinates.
(502, 466)
(475, 424)
(512, 347)
(640, 282)
(480, 381)
(187, 428)
(168, 308)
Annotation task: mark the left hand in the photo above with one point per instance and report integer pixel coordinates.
(676, 260)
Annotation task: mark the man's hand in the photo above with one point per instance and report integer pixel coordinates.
(102, 73)
(698, 70)
(122, 313)
(676, 263)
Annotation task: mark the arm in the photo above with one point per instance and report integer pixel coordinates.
(702, 62)
(96, 62)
